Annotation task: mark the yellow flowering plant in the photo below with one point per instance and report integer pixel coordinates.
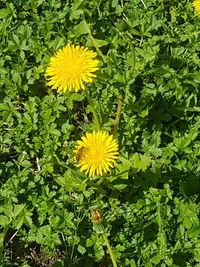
(96, 153)
(70, 69)
(71, 178)
(196, 5)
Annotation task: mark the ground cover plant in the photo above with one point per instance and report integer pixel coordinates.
(57, 208)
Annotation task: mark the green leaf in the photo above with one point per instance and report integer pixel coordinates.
(4, 12)
(124, 168)
(81, 28)
(4, 221)
(18, 209)
(97, 42)
(141, 162)
(81, 249)
(18, 222)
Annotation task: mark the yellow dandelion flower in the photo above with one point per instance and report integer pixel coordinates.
(196, 5)
(96, 153)
(71, 67)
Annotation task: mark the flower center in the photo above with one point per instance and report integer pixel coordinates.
(96, 154)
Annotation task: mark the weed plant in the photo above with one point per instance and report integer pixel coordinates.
(149, 60)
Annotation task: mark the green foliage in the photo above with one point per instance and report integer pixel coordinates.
(149, 53)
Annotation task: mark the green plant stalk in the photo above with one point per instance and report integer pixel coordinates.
(110, 250)
(117, 119)
(96, 117)
(163, 241)
(93, 40)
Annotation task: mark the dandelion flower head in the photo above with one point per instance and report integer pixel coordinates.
(71, 67)
(196, 5)
(96, 153)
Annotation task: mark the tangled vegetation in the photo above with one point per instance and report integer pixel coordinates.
(146, 92)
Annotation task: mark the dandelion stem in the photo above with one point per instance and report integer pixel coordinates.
(117, 119)
(96, 117)
(110, 250)
(96, 218)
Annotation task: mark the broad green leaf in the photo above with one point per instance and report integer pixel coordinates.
(81, 28)
(4, 12)
(18, 209)
(4, 221)
(96, 43)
